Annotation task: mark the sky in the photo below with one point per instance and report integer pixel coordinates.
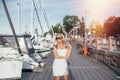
(56, 10)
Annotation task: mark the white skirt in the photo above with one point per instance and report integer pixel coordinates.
(60, 67)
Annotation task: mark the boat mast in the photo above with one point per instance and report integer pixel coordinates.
(11, 25)
(38, 17)
(45, 16)
(18, 16)
(32, 17)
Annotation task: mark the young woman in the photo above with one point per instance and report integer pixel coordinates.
(62, 53)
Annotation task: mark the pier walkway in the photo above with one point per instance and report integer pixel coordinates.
(80, 68)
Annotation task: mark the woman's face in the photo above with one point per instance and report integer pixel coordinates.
(59, 38)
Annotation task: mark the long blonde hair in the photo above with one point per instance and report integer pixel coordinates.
(63, 38)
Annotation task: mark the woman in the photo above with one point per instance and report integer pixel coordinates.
(62, 53)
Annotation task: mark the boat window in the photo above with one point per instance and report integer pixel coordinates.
(29, 43)
(4, 42)
(22, 44)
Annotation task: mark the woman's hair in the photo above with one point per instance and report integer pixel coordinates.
(63, 38)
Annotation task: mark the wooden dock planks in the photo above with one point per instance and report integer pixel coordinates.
(80, 68)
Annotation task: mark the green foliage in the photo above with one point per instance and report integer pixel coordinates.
(57, 28)
(80, 50)
(68, 26)
(70, 21)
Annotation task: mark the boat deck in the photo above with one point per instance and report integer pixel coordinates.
(80, 68)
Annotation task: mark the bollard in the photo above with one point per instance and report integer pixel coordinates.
(85, 50)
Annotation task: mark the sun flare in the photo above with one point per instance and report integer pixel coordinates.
(100, 8)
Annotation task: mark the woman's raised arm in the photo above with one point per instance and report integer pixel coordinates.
(57, 55)
(69, 49)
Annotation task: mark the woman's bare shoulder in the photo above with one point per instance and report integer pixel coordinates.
(68, 46)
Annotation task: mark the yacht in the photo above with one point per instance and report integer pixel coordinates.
(28, 56)
(10, 65)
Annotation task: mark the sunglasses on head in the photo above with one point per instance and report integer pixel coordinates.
(58, 38)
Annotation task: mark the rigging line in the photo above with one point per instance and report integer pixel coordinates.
(49, 23)
(38, 17)
(25, 15)
(11, 25)
(40, 13)
(43, 13)
(45, 17)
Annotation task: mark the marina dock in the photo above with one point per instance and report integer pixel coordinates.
(80, 68)
(95, 45)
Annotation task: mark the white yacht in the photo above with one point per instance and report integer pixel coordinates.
(43, 47)
(10, 66)
(29, 57)
(16, 53)
(12, 63)
(10, 69)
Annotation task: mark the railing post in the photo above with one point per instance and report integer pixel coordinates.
(97, 43)
(111, 43)
(90, 42)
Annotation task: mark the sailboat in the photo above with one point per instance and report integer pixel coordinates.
(10, 67)
(41, 46)
(14, 57)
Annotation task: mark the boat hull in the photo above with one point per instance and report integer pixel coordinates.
(10, 69)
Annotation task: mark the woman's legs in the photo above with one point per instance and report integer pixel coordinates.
(57, 78)
(66, 77)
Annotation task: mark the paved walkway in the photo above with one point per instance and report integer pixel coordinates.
(81, 68)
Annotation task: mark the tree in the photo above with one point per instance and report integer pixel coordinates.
(70, 21)
(112, 26)
(67, 21)
(57, 28)
(116, 24)
(82, 27)
(96, 28)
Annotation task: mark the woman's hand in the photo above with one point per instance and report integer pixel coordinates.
(67, 57)
(69, 46)
(69, 49)
(56, 55)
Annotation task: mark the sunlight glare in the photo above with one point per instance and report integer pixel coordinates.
(100, 8)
